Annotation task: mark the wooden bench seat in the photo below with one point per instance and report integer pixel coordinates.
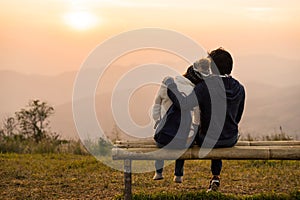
(244, 150)
(234, 153)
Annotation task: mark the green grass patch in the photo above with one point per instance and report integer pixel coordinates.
(69, 176)
(213, 196)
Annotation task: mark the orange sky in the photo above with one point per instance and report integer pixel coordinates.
(38, 37)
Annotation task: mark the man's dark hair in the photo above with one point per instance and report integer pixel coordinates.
(223, 60)
(192, 75)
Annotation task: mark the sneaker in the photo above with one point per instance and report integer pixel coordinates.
(158, 176)
(214, 184)
(178, 179)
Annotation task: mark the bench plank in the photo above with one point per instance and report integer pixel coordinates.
(151, 143)
(233, 153)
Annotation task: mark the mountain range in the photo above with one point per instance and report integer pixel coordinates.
(272, 90)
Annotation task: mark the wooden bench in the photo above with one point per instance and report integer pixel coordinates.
(244, 150)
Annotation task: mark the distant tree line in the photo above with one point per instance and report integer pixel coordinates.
(29, 131)
(31, 122)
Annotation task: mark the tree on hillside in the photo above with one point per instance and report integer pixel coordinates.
(34, 120)
(9, 127)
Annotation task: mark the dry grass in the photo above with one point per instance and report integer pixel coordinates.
(64, 176)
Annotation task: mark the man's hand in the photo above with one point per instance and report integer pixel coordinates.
(168, 80)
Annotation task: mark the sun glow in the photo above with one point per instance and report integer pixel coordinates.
(81, 20)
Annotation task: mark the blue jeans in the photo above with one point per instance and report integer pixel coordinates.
(159, 164)
(216, 167)
(216, 164)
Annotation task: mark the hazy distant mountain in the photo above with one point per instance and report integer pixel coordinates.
(267, 69)
(269, 107)
(272, 87)
(17, 89)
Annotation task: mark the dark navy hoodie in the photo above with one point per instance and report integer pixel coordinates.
(221, 101)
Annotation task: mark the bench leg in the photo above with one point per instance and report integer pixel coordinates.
(127, 180)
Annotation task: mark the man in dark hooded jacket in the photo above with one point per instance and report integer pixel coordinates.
(221, 100)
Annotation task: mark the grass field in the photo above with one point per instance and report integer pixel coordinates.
(65, 176)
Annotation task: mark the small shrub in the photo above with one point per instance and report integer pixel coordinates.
(46, 146)
(277, 137)
(76, 147)
(14, 144)
(99, 148)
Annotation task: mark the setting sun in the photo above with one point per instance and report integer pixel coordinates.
(81, 20)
